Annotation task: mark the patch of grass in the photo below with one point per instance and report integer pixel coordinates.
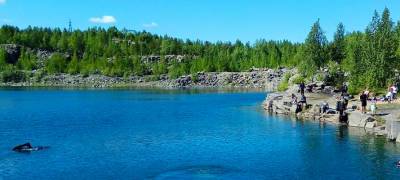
(283, 86)
(319, 77)
(286, 77)
(298, 80)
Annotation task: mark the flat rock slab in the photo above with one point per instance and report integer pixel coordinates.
(370, 125)
(357, 119)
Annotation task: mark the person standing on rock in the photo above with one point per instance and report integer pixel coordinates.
(344, 88)
(363, 99)
(346, 97)
(373, 105)
(394, 91)
(302, 86)
(303, 101)
(341, 108)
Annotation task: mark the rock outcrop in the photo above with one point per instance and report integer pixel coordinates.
(255, 79)
(12, 52)
(319, 94)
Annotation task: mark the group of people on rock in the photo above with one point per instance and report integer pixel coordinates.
(389, 97)
(343, 100)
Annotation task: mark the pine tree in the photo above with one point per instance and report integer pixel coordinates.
(379, 50)
(314, 50)
(73, 66)
(337, 49)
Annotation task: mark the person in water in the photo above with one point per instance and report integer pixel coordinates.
(27, 147)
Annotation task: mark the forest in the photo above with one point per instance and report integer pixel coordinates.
(366, 59)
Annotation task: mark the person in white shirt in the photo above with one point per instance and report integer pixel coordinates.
(394, 91)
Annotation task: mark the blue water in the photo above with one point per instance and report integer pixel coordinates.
(167, 134)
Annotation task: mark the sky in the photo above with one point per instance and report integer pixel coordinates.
(211, 20)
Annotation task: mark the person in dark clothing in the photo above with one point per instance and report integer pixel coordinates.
(346, 98)
(341, 108)
(294, 99)
(302, 86)
(363, 99)
(299, 108)
(324, 107)
(344, 88)
(303, 101)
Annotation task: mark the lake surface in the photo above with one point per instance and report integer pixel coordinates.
(171, 134)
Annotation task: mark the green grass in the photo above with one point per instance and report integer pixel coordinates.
(283, 86)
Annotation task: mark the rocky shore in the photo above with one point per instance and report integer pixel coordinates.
(385, 122)
(266, 79)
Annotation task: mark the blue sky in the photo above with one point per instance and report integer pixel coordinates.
(212, 20)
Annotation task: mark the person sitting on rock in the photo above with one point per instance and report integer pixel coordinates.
(324, 107)
(294, 99)
(389, 96)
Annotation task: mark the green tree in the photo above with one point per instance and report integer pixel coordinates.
(56, 64)
(73, 65)
(3, 59)
(314, 50)
(26, 61)
(337, 48)
(379, 50)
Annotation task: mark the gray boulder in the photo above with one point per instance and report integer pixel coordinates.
(357, 119)
(370, 125)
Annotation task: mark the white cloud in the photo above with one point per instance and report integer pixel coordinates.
(2, 1)
(102, 20)
(151, 25)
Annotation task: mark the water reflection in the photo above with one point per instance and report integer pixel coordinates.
(345, 149)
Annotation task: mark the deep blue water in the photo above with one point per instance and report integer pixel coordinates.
(167, 134)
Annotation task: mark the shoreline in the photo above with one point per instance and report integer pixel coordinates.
(385, 123)
(266, 79)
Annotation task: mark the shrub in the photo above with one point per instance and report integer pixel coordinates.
(12, 75)
(298, 80)
(56, 64)
(283, 86)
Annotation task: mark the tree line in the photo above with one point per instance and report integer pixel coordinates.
(367, 58)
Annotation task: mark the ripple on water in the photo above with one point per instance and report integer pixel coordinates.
(206, 172)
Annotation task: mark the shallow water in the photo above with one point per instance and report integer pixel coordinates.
(168, 134)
